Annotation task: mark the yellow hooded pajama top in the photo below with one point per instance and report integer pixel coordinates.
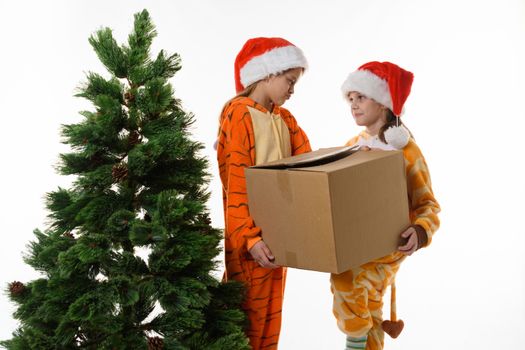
(358, 293)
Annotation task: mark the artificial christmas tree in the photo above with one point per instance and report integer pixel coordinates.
(139, 185)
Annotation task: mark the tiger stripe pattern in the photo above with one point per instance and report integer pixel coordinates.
(236, 150)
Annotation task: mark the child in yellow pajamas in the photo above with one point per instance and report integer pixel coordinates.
(377, 92)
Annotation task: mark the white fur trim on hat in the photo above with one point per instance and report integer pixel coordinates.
(368, 84)
(274, 61)
(397, 136)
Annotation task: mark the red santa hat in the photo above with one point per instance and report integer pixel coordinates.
(384, 82)
(262, 57)
(389, 85)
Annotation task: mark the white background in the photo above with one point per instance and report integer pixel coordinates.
(466, 291)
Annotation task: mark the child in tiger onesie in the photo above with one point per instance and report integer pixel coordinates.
(255, 129)
(377, 92)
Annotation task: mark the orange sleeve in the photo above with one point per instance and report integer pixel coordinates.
(235, 152)
(424, 208)
(298, 139)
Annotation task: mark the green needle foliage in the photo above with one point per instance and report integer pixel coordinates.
(140, 183)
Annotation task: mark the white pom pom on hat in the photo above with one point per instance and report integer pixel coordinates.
(389, 85)
(397, 136)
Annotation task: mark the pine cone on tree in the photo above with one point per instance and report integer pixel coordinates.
(119, 172)
(16, 288)
(129, 98)
(134, 138)
(155, 343)
(68, 235)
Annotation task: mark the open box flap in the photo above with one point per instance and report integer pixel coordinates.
(318, 157)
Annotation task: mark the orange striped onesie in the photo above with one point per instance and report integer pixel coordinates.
(358, 292)
(249, 135)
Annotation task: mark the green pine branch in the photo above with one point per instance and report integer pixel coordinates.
(140, 183)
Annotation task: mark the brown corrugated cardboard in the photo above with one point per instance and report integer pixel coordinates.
(331, 209)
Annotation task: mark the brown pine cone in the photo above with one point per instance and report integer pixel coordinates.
(155, 343)
(119, 172)
(16, 288)
(134, 138)
(129, 97)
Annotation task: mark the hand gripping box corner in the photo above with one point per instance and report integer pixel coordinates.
(331, 209)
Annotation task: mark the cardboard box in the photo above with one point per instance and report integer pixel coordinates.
(331, 209)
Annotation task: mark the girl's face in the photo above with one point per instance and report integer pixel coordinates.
(280, 88)
(367, 112)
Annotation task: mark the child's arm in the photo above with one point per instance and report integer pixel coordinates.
(236, 152)
(424, 208)
(298, 139)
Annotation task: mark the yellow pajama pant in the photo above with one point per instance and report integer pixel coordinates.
(358, 295)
